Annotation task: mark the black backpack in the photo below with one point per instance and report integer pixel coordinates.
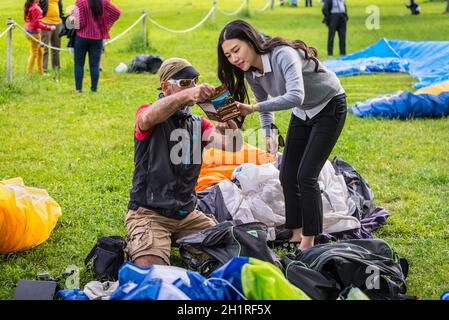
(108, 255)
(213, 247)
(145, 63)
(368, 264)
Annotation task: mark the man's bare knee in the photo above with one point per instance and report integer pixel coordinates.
(147, 261)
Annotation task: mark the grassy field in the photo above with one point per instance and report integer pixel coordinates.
(80, 147)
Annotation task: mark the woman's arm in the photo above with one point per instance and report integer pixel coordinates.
(78, 15)
(291, 67)
(112, 13)
(266, 118)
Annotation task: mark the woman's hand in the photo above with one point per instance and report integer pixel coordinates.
(246, 109)
(272, 145)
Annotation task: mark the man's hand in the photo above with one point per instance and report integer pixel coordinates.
(232, 140)
(200, 93)
(222, 126)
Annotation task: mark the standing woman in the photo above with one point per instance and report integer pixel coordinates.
(290, 73)
(93, 20)
(33, 15)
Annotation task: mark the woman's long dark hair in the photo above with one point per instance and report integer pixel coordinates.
(26, 8)
(233, 77)
(96, 6)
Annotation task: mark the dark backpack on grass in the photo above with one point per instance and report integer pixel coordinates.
(106, 257)
(145, 63)
(368, 264)
(213, 247)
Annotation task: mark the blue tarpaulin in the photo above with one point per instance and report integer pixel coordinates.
(403, 106)
(427, 61)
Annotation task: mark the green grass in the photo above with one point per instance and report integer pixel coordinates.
(80, 147)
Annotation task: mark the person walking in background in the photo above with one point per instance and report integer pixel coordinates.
(290, 73)
(93, 20)
(335, 17)
(32, 16)
(308, 3)
(414, 7)
(52, 16)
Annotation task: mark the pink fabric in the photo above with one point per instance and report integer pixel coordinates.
(33, 19)
(89, 27)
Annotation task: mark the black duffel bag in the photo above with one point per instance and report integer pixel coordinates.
(106, 258)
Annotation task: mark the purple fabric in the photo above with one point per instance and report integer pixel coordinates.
(372, 222)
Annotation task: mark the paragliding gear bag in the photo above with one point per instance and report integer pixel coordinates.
(106, 257)
(213, 247)
(368, 264)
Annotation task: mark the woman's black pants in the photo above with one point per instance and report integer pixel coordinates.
(308, 145)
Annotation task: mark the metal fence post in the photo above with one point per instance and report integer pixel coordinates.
(144, 29)
(9, 22)
(213, 13)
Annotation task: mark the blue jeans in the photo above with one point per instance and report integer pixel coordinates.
(82, 47)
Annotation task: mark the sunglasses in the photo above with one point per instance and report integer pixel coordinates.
(184, 83)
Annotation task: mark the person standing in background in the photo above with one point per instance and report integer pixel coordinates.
(94, 19)
(335, 17)
(414, 7)
(308, 2)
(53, 13)
(32, 13)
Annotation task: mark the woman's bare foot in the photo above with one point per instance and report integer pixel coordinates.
(296, 235)
(307, 242)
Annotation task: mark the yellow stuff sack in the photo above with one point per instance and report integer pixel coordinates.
(27, 216)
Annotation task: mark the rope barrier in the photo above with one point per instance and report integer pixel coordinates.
(6, 31)
(264, 8)
(186, 30)
(143, 16)
(126, 31)
(63, 49)
(234, 12)
(38, 41)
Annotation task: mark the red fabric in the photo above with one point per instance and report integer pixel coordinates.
(206, 125)
(89, 27)
(141, 135)
(33, 19)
